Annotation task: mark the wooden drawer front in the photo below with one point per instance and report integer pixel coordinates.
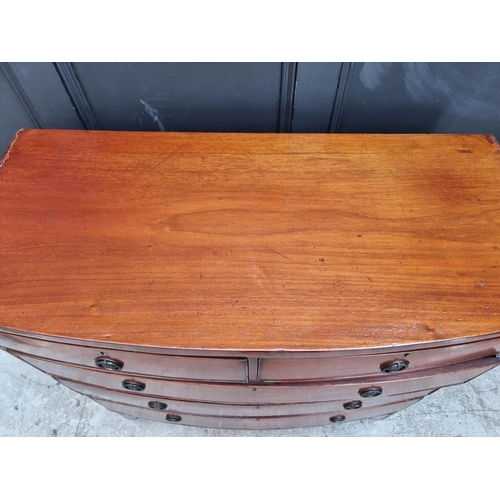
(253, 423)
(180, 367)
(231, 410)
(279, 370)
(261, 394)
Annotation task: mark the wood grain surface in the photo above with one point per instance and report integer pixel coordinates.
(234, 410)
(278, 369)
(311, 392)
(250, 241)
(156, 365)
(254, 423)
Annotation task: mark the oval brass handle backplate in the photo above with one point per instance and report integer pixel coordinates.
(337, 418)
(394, 366)
(106, 363)
(132, 385)
(370, 392)
(173, 418)
(353, 405)
(157, 405)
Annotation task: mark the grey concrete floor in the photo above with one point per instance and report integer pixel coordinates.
(34, 404)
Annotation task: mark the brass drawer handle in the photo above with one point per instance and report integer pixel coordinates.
(370, 392)
(173, 418)
(337, 418)
(132, 385)
(108, 363)
(353, 405)
(394, 366)
(157, 405)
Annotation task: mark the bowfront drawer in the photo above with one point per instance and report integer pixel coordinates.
(235, 410)
(317, 368)
(256, 423)
(261, 394)
(159, 365)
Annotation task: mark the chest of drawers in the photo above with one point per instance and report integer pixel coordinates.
(251, 281)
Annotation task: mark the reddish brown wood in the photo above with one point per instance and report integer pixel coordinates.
(343, 367)
(400, 383)
(175, 367)
(248, 241)
(235, 370)
(233, 410)
(246, 265)
(254, 423)
(272, 354)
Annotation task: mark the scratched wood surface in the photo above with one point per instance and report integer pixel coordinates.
(250, 241)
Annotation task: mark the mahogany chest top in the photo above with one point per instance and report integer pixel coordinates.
(250, 242)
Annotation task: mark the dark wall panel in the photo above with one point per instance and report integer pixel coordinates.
(252, 97)
(422, 98)
(13, 112)
(47, 94)
(229, 97)
(315, 94)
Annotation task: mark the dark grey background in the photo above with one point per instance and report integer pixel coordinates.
(251, 97)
